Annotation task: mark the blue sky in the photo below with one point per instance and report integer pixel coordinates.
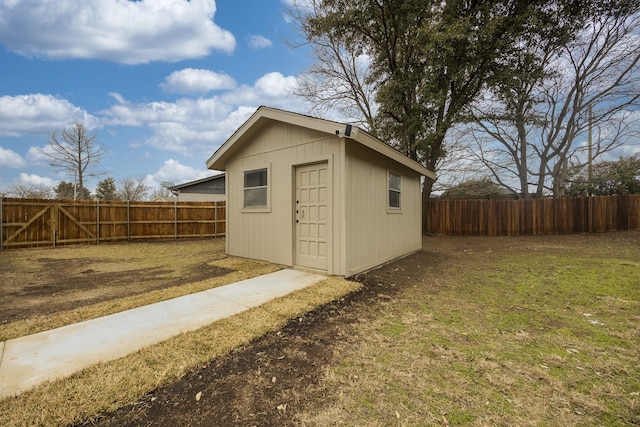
(162, 83)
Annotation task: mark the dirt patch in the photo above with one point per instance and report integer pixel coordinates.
(265, 382)
(270, 380)
(262, 383)
(45, 285)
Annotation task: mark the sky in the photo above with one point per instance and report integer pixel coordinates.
(161, 83)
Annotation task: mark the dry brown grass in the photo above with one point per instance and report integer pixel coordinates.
(108, 386)
(139, 256)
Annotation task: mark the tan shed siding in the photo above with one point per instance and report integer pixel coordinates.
(248, 231)
(268, 236)
(373, 235)
(277, 136)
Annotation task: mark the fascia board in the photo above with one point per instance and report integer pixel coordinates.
(375, 144)
(218, 160)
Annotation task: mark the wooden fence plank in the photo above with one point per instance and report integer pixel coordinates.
(24, 223)
(81, 226)
(533, 216)
(25, 226)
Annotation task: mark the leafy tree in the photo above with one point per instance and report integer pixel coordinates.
(428, 59)
(74, 152)
(29, 191)
(476, 189)
(133, 189)
(607, 178)
(106, 189)
(66, 190)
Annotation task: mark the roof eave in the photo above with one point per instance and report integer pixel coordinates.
(219, 159)
(197, 181)
(375, 144)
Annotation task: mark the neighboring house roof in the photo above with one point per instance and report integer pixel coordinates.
(264, 114)
(200, 185)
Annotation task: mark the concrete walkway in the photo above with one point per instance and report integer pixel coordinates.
(28, 361)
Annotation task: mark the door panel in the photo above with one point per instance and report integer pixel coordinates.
(312, 229)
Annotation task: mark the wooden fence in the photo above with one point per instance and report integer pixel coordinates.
(536, 216)
(33, 222)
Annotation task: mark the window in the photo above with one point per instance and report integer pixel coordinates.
(394, 191)
(256, 188)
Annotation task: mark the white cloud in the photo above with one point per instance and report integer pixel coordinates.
(190, 81)
(174, 171)
(259, 42)
(275, 84)
(39, 113)
(130, 32)
(273, 89)
(197, 127)
(34, 179)
(35, 155)
(193, 112)
(11, 159)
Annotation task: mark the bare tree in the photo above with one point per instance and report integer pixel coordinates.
(162, 192)
(30, 191)
(133, 189)
(74, 152)
(339, 80)
(575, 109)
(459, 162)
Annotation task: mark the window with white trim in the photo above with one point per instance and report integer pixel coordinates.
(394, 190)
(256, 187)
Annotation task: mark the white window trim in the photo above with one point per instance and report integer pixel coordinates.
(267, 208)
(391, 209)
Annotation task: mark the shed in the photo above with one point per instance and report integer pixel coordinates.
(318, 194)
(210, 189)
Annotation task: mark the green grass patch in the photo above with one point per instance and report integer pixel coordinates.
(510, 338)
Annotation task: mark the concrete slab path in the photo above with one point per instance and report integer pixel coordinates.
(28, 361)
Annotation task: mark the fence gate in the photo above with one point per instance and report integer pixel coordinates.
(29, 223)
(37, 222)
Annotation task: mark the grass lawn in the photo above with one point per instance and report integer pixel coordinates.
(527, 331)
(514, 333)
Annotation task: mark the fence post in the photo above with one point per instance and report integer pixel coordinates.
(97, 222)
(175, 219)
(128, 223)
(54, 220)
(1, 221)
(215, 219)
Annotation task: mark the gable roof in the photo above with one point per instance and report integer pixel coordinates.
(264, 115)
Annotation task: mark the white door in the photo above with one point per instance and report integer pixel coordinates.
(312, 198)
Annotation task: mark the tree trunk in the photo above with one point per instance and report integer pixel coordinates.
(80, 186)
(427, 186)
(522, 162)
(561, 170)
